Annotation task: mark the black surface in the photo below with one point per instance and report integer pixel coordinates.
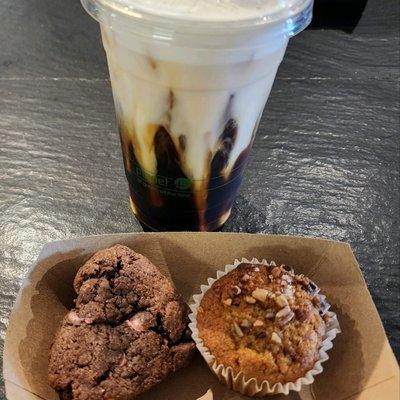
(337, 14)
(325, 161)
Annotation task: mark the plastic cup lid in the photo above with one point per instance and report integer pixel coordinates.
(209, 16)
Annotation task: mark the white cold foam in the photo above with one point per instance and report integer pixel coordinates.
(210, 9)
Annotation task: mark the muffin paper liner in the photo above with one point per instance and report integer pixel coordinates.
(238, 382)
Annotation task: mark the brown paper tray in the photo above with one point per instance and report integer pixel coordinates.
(361, 365)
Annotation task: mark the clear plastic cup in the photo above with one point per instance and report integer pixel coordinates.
(189, 93)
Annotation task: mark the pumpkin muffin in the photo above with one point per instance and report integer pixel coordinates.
(264, 321)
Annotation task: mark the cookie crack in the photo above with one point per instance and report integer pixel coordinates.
(109, 274)
(160, 330)
(104, 376)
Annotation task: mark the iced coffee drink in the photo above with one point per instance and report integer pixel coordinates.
(190, 79)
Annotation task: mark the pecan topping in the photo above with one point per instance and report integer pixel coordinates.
(289, 291)
(237, 330)
(284, 316)
(261, 294)
(301, 314)
(249, 299)
(261, 335)
(245, 323)
(281, 301)
(270, 314)
(276, 338)
(227, 301)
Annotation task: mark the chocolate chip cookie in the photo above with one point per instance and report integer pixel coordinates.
(127, 332)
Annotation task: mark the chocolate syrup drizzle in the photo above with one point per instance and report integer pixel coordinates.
(169, 200)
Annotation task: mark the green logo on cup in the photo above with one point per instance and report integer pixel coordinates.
(183, 183)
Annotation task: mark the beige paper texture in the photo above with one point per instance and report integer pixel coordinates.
(361, 365)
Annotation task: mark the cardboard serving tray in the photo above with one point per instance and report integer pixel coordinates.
(361, 364)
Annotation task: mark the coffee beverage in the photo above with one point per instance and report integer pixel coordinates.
(190, 79)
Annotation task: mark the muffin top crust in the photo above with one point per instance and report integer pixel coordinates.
(264, 321)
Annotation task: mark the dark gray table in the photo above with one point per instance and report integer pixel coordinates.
(325, 161)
